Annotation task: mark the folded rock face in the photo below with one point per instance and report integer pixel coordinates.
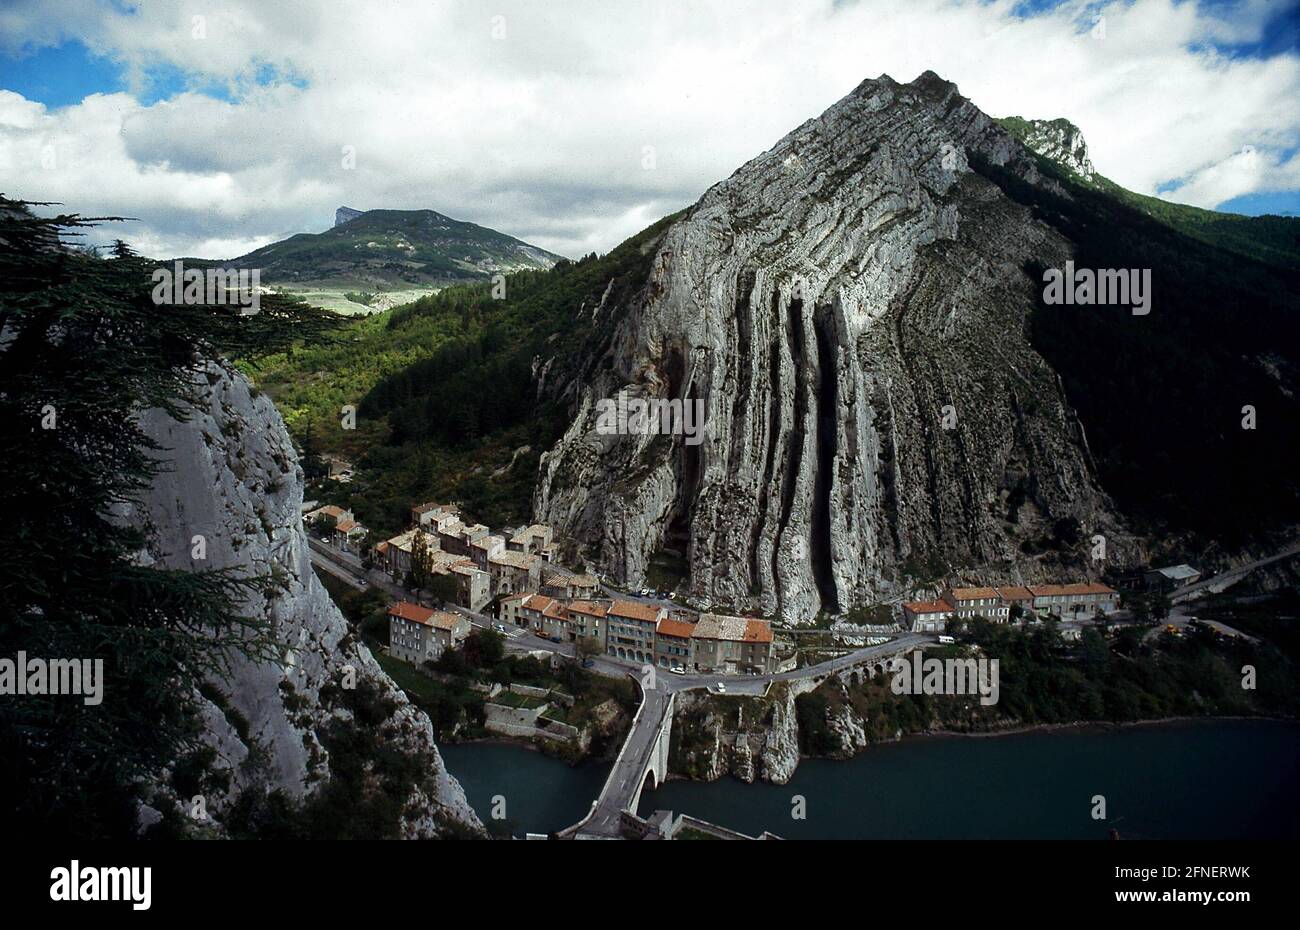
(850, 309)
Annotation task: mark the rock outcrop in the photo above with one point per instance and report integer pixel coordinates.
(850, 310)
(747, 738)
(231, 499)
(343, 214)
(1062, 142)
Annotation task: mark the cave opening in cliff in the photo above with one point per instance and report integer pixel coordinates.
(826, 438)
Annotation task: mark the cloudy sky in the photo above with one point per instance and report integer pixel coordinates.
(225, 125)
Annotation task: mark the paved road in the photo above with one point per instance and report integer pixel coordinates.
(634, 759)
(1233, 575)
(630, 767)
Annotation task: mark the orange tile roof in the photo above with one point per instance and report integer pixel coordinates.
(408, 611)
(928, 607)
(758, 631)
(678, 628)
(634, 610)
(590, 608)
(1015, 593)
(344, 526)
(971, 594)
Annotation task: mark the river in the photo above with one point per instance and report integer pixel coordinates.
(1214, 779)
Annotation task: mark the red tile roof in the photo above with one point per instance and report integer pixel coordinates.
(758, 631)
(928, 607)
(678, 628)
(634, 610)
(408, 611)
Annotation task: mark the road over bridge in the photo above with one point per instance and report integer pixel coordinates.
(644, 756)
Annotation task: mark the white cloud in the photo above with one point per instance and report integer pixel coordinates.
(542, 133)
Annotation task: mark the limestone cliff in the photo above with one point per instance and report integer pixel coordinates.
(850, 309)
(231, 498)
(1057, 139)
(748, 738)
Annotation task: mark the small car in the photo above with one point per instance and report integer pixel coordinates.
(678, 670)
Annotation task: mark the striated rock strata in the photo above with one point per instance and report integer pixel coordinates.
(850, 309)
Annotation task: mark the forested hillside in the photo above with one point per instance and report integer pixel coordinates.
(444, 386)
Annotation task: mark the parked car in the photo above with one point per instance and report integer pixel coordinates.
(678, 670)
(556, 639)
(721, 689)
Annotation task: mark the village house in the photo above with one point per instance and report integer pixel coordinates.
(348, 535)
(329, 515)
(973, 602)
(927, 616)
(731, 644)
(456, 537)
(630, 630)
(561, 584)
(544, 615)
(483, 548)
(549, 553)
(673, 642)
(429, 514)
(1171, 578)
(530, 539)
(473, 585)
(417, 634)
(394, 555)
(338, 525)
(513, 572)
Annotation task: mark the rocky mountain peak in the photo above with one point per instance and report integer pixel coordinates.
(829, 304)
(344, 214)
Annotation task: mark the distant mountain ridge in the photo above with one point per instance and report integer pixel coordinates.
(378, 250)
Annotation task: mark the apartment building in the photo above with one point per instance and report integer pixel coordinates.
(417, 634)
(630, 630)
(1076, 601)
(973, 602)
(673, 642)
(589, 618)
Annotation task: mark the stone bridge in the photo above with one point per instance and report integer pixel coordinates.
(643, 758)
